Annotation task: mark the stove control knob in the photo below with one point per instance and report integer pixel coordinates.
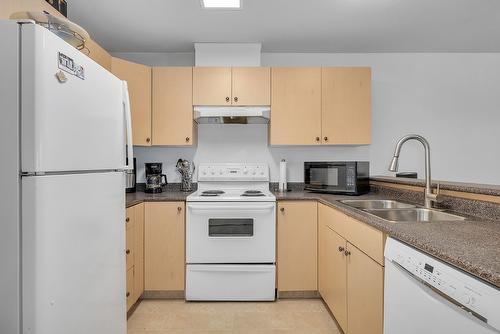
(212, 172)
(245, 171)
(204, 172)
(220, 172)
(254, 172)
(261, 172)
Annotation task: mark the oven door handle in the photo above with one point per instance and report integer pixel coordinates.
(230, 207)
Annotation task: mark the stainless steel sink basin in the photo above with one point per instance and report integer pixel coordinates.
(414, 215)
(367, 204)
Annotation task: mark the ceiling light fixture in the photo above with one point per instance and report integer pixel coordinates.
(230, 4)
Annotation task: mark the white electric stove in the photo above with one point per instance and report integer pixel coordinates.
(231, 234)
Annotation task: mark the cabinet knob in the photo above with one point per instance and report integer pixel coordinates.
(128, 294)
(235, 99)
(347, 253)
(148, 140)
(188, 139)
(179, 209)
(282, 209)
(341, 249)
(127, 251)
(227, 99)
(317, 139)
(326, 138)
(127, 219)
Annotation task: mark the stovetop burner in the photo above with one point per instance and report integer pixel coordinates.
(212, 193)
(253, 193)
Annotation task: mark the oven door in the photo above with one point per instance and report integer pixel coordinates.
(230, 232)
(326, 177)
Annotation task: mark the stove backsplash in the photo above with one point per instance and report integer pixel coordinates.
(243, 143)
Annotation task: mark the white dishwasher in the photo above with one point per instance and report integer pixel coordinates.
(425, 295)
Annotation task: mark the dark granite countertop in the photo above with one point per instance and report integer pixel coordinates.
(476, 188)
(472, 245)
(171, 193)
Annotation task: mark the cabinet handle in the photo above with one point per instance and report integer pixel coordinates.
(326, 138)
(128, 294)
(148, 140)
(179, 209)
(282, 209)
(188, 139)
(227, 99)
(347, 253)
(341, 249)
(127, 251)
(235, 99)
(127, 219)
(317, 139)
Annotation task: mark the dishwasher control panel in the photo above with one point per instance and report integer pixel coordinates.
(454, 284)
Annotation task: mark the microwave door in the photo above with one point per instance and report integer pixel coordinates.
(328, 178)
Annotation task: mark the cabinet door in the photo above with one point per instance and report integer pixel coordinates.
(251, 86)
(164, 246)
(332, 273)
(138, 250)
(173, 106)
(138, 78)
(365, 290)
(129, 237)
(130, 288)
(297, 246)
(295, 106)
(346, 105)
(211, 86)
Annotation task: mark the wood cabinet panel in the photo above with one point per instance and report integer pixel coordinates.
(138, 250)
(251, 86)
(365, 288)
(346, 105)
(129, 237)
(164, 246)
(138, 78)
(297, 246)
(332, 273)
(367, 238)
(296, 106)
(173, 106)
(211, 86)
(130, 288)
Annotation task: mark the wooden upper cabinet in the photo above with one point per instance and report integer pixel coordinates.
(251, 86)
(172, 106)
(211, 86)
(295, 106)
(346, 105)
(138, 78)
(297, 251)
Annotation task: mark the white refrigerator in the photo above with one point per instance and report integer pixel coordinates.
(65, 123)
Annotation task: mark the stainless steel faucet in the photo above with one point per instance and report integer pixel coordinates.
(429, 195)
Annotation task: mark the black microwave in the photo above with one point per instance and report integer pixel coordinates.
(337, 177)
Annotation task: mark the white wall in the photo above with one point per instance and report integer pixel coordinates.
(452, 99)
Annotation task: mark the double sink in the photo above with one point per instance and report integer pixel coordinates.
(399, 212)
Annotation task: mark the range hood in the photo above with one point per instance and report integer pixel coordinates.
(232, 115)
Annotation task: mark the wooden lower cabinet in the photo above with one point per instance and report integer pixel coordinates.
(350, 281)
(134, 253)
(297, 246)
(164, 246)
(332, 278)
(365, 288)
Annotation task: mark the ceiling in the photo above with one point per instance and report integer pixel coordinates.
(295, 25)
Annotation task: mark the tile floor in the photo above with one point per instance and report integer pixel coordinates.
(284, 316)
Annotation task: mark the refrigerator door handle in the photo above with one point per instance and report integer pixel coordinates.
(128, 123)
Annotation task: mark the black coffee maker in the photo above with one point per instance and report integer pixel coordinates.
(154, 177)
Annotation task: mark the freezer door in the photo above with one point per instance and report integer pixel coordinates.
(72, 108)
(73, 254)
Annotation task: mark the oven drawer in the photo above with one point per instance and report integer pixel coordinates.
(230, 282)
(230, 232)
